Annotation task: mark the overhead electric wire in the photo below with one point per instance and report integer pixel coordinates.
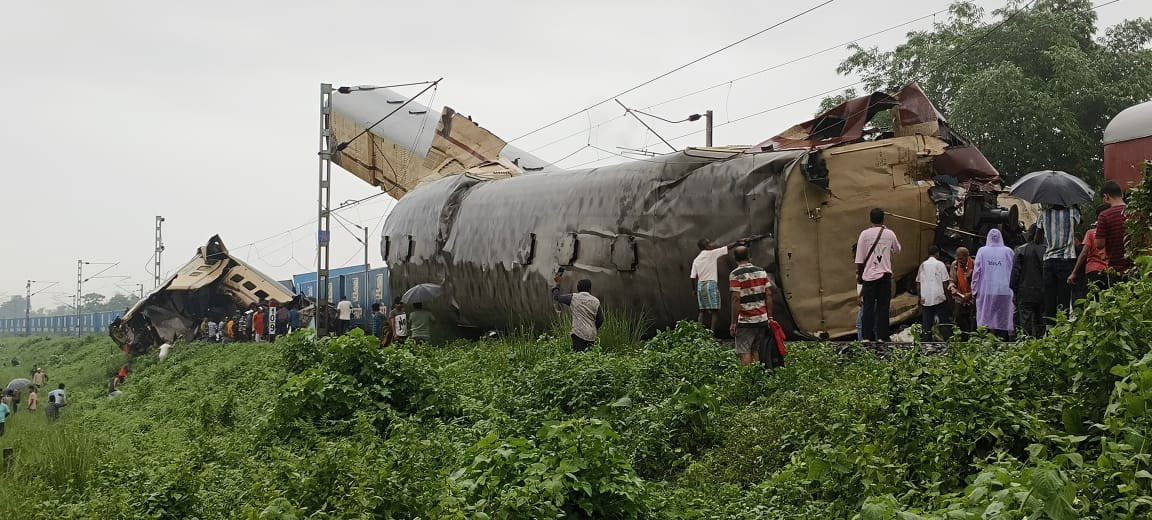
(746, 76)
(345, 144)
(674, 70)
(995, 27)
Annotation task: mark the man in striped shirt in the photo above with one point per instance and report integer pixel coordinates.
(751, 292)
(1059, 225)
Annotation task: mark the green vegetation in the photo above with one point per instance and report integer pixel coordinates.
(1049, 72)
(671, 427)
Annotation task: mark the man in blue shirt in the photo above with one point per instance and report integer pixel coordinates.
(4, 411)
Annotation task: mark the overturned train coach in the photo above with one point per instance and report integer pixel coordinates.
(494, 230)
(213, 285)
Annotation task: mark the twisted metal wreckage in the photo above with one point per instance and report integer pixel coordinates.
(213, 284)
(492, 224)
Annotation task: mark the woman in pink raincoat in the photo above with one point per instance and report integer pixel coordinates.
(990, 286)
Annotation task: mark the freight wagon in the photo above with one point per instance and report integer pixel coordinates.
(91, 323)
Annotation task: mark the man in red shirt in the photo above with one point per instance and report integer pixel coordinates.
(1111, 234)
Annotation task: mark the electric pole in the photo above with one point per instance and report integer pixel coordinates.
(79, 289)
(324, 212)
(80, 285)
(159, 250)
(28, 303)
(708, 128)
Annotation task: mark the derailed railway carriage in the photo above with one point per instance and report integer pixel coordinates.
(494, 230)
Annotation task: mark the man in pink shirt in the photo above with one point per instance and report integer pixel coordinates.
(874, 250)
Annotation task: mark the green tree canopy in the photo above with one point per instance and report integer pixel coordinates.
(1033, 85)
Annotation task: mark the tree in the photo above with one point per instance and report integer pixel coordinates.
(1033, 87)
(92, 302)
(119, 302)
(13, 308)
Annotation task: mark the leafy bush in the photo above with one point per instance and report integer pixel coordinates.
(570, 468)
(354, 375)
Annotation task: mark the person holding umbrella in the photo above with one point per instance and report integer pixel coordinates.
(1061, 194)
(420, 319)
(13, 391)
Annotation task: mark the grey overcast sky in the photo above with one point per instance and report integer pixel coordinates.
(206, 112)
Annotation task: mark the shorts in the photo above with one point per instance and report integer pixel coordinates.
(707, 296)
(748, 339)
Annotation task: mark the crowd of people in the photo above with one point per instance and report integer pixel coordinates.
(11, 399)
(262, 321)
(1007, 291)
(397, 324)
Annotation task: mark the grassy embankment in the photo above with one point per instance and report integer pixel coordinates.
(671, 427)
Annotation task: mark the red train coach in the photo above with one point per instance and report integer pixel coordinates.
(1128, 144)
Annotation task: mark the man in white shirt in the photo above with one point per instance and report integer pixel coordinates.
(933, 281)
(344, 315)
(704, 281)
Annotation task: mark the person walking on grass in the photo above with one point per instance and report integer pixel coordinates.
(751, 293)
(57, 399)
(4, 412)
(10, 399)
(50, 411)
(1029, 284)
(991, 286)
(33, 399)
(932, 279)
(587, 314)
(39, 377)
(875, 248)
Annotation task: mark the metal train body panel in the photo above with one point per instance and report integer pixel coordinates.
(493, 233)
(632, 230)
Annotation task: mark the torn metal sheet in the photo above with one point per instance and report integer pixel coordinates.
(494, 242)
(213, 285)
(913, 114)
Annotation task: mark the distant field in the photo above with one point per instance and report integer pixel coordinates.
(519, 427)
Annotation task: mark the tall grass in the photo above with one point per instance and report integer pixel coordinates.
(624, 329)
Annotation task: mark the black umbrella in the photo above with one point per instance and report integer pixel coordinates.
(1052, 187)
(17, 384)
(422, 293)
